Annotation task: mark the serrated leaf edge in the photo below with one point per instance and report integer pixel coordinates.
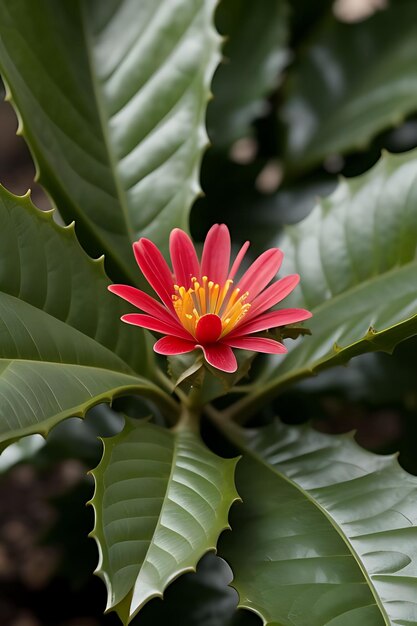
(94, 534)
(80, 412)
(236, 435)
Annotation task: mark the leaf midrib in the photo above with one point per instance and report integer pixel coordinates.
(129, 596)
(230, 431)
(103, 119)
(310, 365)
(175, 448)
(357, 287)
(64, 363)
(70, 329)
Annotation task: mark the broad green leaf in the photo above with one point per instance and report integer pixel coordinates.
(59, 327)
(43, 264)
(351, 82)
(256, 36)
(161, 501)
(50, 371)
(356, 256)
(111, 98)
(326, 534)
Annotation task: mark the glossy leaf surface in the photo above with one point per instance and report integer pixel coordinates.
(49, 371)
(58, 326)
(161, 501)
(356, 255)
(112, 98)
(43, 265)
(326, 534)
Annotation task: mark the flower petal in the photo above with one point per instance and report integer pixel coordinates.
(272, 295)
(155, 269)
(261, 272)
(216, 254)
(208, 329)
(184, 258)
(273, 319)
(142, 301)
(257, 344)
(238, 260)
(173, 345)
(159, 326)
(220, 356)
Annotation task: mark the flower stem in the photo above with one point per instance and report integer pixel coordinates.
(189, 420)
(191, 408)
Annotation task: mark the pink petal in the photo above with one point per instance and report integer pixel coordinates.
(143, 301)
(261, 272)
(173, 345)
(184, 258)
(257, 344)
(152, 323)
(220, 356)
(238, 260)
(216, 254)
(208, 329)
(273, 319)
(155, 269)
(272, 295)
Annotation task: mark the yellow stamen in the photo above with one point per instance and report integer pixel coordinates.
(204, 297)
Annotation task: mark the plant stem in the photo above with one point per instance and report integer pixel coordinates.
(189, 420)
(191, 408)
(164, 380)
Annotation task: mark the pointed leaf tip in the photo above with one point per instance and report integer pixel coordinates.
(192, 492)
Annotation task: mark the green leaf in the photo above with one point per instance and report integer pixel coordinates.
(43, 265)
(111, 98)
(59, 327)
(351, 82)
(161, 501)
(327, 533)
(50, 371)
(355, 254)
(256, 37)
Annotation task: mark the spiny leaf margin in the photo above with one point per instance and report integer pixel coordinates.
(339, 478)
(129, 601)
(44, 265)
(356, 256)
(120, 164)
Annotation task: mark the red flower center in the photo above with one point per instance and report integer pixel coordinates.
(208, 329)
(212, 301)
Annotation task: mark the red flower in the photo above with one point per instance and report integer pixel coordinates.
(201, 307)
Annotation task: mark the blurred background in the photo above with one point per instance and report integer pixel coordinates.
(283, 125)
